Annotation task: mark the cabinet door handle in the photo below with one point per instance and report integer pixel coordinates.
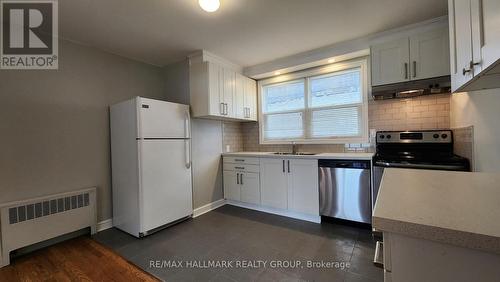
(288, 166)
(248, 113)
(225, 109)
(222, 108)
(465, 71)
(414, 68)
(472, 64)
(241, 178)
(406, 70)
(283, 166)
(237, 178)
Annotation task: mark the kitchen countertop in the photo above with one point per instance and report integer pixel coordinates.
(338, 156)
(458, 208)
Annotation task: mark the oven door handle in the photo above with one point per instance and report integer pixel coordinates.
(399, 165)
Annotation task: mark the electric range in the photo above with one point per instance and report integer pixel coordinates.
(429, 149)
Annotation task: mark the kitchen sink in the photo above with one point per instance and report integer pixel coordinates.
(295, 154)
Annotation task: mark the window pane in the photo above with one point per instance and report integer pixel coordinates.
(284, 97)
(339, 88)
(340, 122)
(283, 126)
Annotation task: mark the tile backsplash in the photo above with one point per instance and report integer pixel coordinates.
(463, 143)
(233, 136)
(424, 112)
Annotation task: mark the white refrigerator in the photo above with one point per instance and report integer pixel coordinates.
(151, 165)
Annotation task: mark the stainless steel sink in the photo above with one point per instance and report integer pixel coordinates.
(295, 154)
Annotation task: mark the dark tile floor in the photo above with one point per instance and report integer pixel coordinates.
(237, 235)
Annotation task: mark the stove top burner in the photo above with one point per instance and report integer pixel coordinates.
(427, 154)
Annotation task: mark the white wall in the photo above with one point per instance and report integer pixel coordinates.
(482, 110)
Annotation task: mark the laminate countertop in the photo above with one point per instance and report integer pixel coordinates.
(458, 208)
(333, 156)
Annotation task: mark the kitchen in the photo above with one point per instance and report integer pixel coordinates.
(348, 155)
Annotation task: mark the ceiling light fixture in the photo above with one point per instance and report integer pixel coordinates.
(277, 73)
(209, 5)
(331, 61)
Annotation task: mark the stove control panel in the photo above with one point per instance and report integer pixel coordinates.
(431, 136)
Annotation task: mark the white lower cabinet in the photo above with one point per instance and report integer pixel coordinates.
(290, 184)
(412, 259)
(287, 187)
(303, 189)
(273, 183)
(241, 180)
(250, 188)
(232, 190)
(241, 186)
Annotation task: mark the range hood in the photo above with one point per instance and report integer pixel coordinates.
(408, 89)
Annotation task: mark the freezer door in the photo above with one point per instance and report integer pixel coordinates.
(165, 182)
(159, 119)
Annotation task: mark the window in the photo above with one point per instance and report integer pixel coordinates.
(323, 105)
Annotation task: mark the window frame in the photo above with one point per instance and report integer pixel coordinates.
(306, 75)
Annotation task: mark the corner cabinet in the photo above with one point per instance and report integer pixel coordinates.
(219, 92)
(287, 187)
(474, 44)
(421, 56)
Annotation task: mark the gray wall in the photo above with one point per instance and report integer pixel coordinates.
(206, 143)
(177, 82)
(55, 124)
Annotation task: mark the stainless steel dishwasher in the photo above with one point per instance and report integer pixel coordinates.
(345, 189)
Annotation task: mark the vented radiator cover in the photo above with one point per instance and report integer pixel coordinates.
(27, 222)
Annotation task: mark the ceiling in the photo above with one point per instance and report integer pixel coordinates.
(247, 32)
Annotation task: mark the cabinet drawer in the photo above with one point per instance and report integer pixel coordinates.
(241, 167)
(241, 160)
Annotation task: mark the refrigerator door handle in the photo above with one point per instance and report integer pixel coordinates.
(187, 125)
(188, 153)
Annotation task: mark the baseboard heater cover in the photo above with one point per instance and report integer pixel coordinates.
(26, 222)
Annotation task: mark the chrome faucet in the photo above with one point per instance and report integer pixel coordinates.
(294, 148)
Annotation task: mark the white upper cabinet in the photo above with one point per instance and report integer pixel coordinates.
(489, 13)
(228, 89)
(250, 105)
(245, 98)
(460, 42)
(474, 44)
(218, 91)
(421, 56)
(390, 62)
(205, 83)
(239, 96)
(429, 54)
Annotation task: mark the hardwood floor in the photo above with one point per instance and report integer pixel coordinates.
(80, 259)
